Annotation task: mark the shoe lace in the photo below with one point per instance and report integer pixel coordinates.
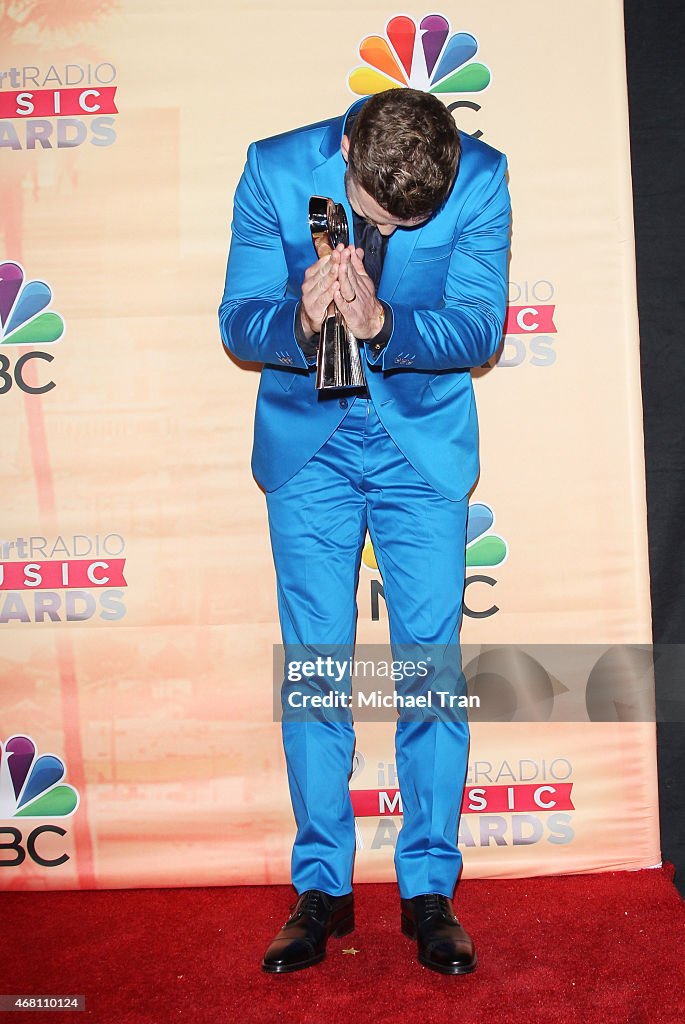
(312, 902)
(436, 903)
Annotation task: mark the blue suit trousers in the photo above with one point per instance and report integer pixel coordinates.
(318, 519)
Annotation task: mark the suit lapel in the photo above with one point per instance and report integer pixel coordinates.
(400, 247)
(329, 181)
(329, 176)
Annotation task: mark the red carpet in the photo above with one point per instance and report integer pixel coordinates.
(571, 950)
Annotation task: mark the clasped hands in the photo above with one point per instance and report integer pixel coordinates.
(340, 278)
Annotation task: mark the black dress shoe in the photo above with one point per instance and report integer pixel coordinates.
(301, 941)
(443, 945)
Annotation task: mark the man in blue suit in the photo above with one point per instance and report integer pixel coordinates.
(423, 288)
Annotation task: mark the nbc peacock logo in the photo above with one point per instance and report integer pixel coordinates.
(419, 55)
(24, 317)
(483, 548)
(31, 786)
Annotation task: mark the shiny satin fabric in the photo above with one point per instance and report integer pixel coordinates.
(318, 520)
(445, 281)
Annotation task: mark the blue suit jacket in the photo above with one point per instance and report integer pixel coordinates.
(446, 282)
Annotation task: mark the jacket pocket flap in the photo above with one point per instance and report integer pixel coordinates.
(284, 377)
(442, 383)
(424, 253)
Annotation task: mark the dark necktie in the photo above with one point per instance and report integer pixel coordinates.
(368, 237)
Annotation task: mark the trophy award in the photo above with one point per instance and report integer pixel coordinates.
(338, 362)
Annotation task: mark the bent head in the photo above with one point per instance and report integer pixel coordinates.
(402, 154)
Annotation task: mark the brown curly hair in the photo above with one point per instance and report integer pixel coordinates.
(404, 151)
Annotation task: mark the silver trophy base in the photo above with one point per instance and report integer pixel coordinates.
(339, 363)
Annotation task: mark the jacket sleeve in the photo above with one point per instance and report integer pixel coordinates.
(467, 329)
(256, 320)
